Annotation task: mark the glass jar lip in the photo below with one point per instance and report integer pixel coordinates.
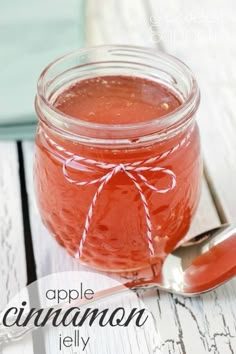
(189, 106)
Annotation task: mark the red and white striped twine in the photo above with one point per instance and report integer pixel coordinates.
(133, 170)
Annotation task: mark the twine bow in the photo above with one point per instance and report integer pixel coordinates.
(134, 172)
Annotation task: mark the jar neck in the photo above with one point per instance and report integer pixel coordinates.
(119, 60)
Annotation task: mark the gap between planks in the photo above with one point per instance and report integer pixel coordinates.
(37, 336)
(13, 270)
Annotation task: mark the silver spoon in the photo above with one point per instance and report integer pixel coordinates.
(195, 267)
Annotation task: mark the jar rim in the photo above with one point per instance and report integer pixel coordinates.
(186, 108)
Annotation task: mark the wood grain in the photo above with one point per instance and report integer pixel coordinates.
(13, 276)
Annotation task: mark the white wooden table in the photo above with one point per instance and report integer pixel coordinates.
(203, 35)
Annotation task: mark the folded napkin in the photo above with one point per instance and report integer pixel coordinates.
(32, 34)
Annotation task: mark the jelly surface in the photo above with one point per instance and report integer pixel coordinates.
(117, 234)
(116, 100)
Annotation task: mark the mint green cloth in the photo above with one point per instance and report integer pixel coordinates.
(18, 131)
(32, 34)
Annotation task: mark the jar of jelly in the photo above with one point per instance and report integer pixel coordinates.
(117, 164)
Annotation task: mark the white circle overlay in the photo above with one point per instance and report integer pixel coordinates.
(115, 324)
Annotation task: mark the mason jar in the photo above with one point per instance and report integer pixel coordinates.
(118, 194)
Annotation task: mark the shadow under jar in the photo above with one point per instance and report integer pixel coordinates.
(117, 165)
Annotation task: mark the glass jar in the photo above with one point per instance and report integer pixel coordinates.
(118, 196)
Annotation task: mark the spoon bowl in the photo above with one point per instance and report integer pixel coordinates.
(199, 265)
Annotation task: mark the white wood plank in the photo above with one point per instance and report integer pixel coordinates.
(203, 35)
(186, 27)
(13, 275)
(116, 22)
